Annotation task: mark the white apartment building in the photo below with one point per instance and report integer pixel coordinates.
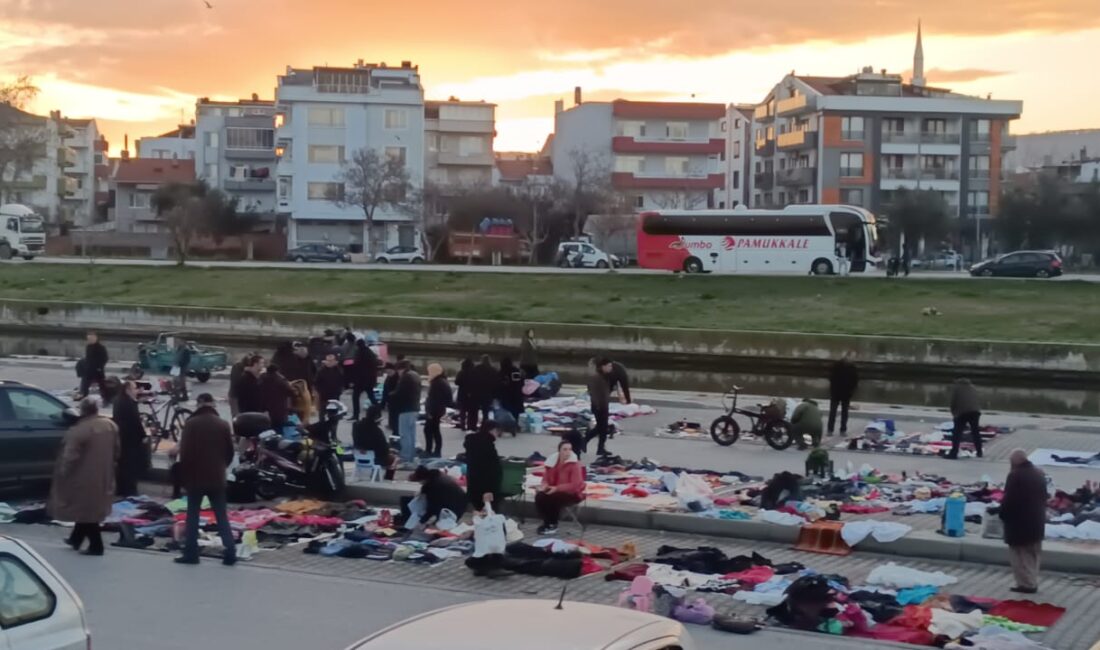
(81, 137)
(235, 150)
(43, 184)
(736, 127)
(323, 116)
(178, 144)
(660, 155)
(458, 143)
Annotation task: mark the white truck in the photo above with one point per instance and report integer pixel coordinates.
(22, 232)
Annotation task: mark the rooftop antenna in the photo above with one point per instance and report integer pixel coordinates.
(561, 598)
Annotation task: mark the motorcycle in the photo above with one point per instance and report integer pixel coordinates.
(775, 430)
(280, 465)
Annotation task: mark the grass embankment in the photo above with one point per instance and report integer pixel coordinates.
(969, 308)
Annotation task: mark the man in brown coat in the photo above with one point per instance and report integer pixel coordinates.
(205, 451)
(1024, 512)
(599, 395)
(84, 478)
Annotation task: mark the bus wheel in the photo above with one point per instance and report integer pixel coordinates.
(693, 265)
(822, 266)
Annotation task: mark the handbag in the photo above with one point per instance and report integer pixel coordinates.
(489, 534)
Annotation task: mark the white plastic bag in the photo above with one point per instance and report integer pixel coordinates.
(417, 507)
(512, 533)
(489, 533)
(174, 372)
(447, 520)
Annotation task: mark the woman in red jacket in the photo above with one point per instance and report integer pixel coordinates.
(562, 486)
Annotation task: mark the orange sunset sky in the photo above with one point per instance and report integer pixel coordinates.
(138, 65)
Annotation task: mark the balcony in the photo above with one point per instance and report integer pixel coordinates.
(792, 105)
(1008, 142)
(37, 182)
(978, 174)
(763, 181)
(66, 157)
(765, 148)
(666, 181)
(940, 138)
(250, 154)
(851, 172)
(480, 159)
(763, 113)
(914, 174)
(913, 137)
(250, 185)
(852, 136)
(705, 146)
(797, 176)
(797, 140)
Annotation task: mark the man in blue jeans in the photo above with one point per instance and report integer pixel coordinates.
(205, 452)
(405, 402)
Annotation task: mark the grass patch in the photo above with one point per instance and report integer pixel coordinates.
(970, 308)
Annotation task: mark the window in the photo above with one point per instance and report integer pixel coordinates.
(397, 118)
(245, 138)
(979, 163)
(471, 145)
(851, 197)
(677, 166)
(325, 191)
(978, 202)
(286, 188)
(433, 142)
(803, 196)
(724, 126)
(212, 140)
(394, 192)
(851, 128)
(893, 125)
(211, 171)
(676, 130)
(100, 159)
(737, 180)
(934, 125)
(736, 148)
(737, 123)
(140, 200)
(631, 129)
(851, 164)
(326, 153)
(326, 116)
(629, 164)
(35, 407)
(981, 129)
(30, 599)
(396, 153)
(639, 201)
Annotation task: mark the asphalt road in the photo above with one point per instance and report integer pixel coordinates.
(462, 268)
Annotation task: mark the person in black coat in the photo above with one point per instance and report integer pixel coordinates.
(843, 380)
(617, 380)
(249, 397)
(364, 376)
(440, 491)
(1024, 513)
(467, 414)
(439, 400)
(484, 471)
(133, 460)
(94, 367)
(275, 394)
(511, 388)
(329, 382)
(367, 435)
(484, 387)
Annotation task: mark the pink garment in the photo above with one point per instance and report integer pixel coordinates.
(753, 576)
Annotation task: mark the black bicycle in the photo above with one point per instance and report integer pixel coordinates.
(775, 430)
(163, 419)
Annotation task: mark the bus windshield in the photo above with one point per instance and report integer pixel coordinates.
(31, 225)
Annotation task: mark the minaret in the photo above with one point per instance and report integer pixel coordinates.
(918, 60)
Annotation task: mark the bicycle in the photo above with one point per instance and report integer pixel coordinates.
(725, 431)
(163, 420)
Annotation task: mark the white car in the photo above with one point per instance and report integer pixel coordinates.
(579, 254)
(532, 625)
(401, 255)
(38, 609)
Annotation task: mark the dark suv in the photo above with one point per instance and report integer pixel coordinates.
(1021, 264)
(32, 424)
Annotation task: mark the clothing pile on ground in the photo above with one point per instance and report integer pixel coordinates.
(895, 603)
(1063, 458)
(563, 415)
(883, 436)
(1074, 516)
(682, 429)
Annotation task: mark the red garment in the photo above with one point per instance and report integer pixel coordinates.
(568, 477)
(914, 617)
(590, 566)
(1028, 612)
(900, 634)
(629, 572)
(635, 492)
(857, 509)
(753, 576)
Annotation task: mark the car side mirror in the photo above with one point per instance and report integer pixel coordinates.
(69, 416)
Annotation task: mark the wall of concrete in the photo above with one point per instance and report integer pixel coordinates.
(1054, 361)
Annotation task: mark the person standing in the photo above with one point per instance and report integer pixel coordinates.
(599, 395)
(485, 387)
(83, 487)
(511, 388)
(464, 382)
(440, 398)
(275, 394)
(182, 367)
(843, 381)
(529, 355)
(133, 460)
(364, 376)
(95, 365)
(405, 401)
(235, 373)
(1024, 513)
(484, 471)
(248, 393)
(205, 453)
(967, 413)
(806, 421)
(906, 260)
(843, 263)
(329, 381)
(618, 381)
(562, 486)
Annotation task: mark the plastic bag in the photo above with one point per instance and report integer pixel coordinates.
(447, 520)
(174, 372)
(698, 612)
(512, 533)
(489, 533)
(692, 488)
(417, 507)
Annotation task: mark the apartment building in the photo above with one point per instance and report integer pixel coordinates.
(660, 155)
(133, 181)
(38, 181)
(323, 116)
(235, 150)
(859, 139)
(458, 143)
(79, 201)
(736, 128)
(178, 143)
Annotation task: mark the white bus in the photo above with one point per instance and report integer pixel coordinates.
(801, 239)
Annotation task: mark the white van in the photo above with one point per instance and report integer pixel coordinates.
(38, 609)
(532, 625)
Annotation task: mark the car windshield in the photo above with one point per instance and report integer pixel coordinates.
(31, 225)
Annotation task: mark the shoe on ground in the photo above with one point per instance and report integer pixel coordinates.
(548, 530)
(1024, 590)
(70, 544)
(603, 452)
(229, 561)
(186, 560)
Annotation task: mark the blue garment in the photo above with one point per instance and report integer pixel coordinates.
(406, 428)
(191, 529)
(916, 595)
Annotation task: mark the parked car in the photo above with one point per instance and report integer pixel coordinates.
(532, 625)
(944, 259)
(318, 253)
(579, 254)
(38, 609)
(401, 254)
(32, 424)
(1020, 264)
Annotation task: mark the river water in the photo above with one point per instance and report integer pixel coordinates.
(901, 391)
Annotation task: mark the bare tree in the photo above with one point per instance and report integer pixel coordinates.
(370, 181)
(682, 199)
(545, 204)
(190, 210)
(22, 135)
(591, 186)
